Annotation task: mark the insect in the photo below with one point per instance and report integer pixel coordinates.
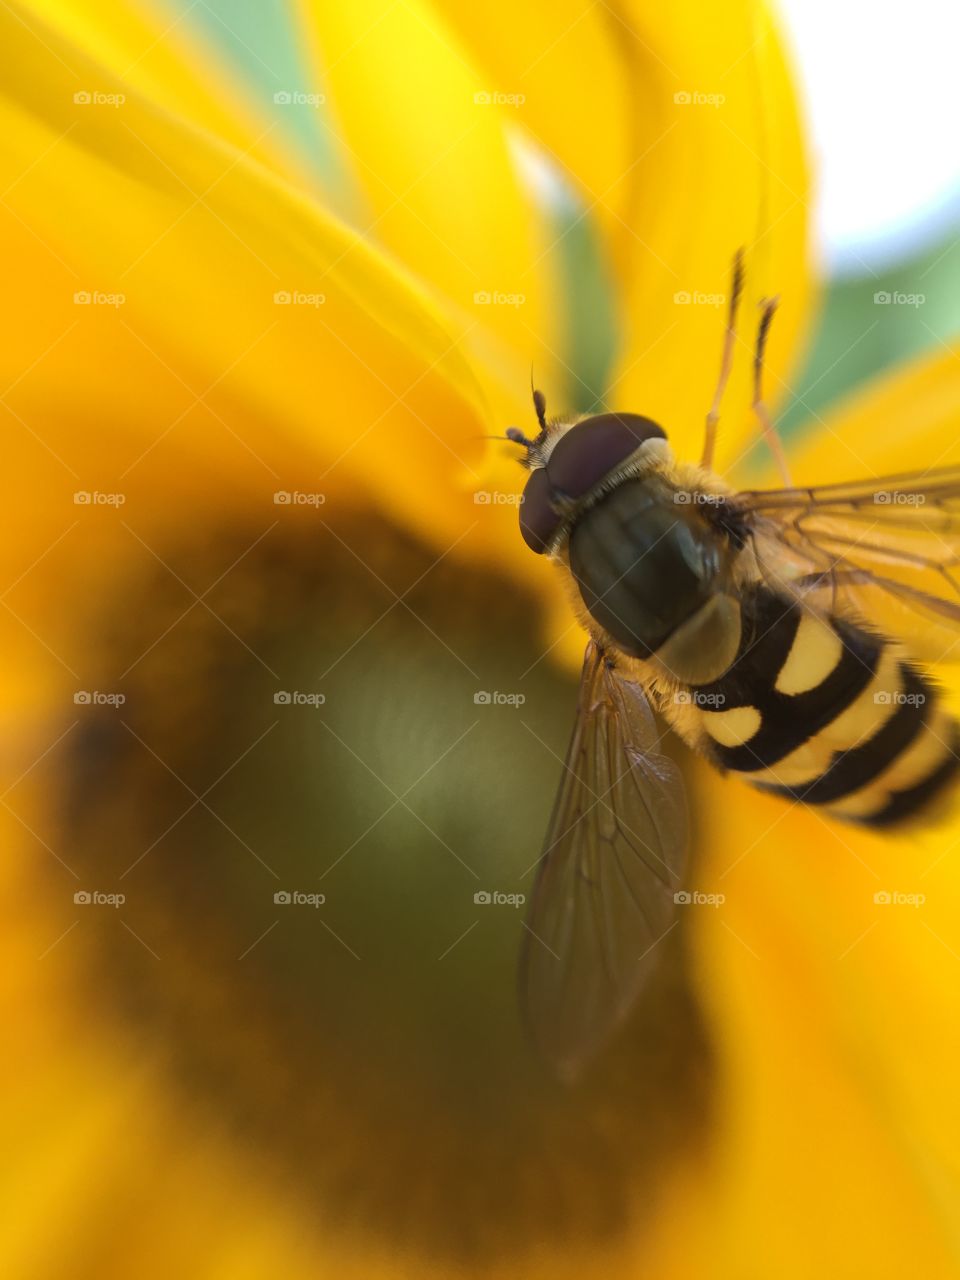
(749, 621)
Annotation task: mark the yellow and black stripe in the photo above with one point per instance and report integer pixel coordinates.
(828, 712)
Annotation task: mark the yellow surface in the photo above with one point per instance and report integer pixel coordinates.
(833, 1144)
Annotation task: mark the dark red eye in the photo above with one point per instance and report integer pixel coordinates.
(538, 520)
(594, 448)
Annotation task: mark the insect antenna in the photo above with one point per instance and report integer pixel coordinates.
(516, 436)
(726, 361)
(539, 403)
(769, 306)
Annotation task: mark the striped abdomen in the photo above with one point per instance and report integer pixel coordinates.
(824, 711)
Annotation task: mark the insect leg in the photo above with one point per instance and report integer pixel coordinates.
(768, 307)
(726, 361)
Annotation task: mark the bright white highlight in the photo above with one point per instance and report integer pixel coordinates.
(881, 84)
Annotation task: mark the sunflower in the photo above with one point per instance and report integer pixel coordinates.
(285, 692)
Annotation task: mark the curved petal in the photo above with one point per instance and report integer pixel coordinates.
(905, 420)
(431, 144)
(736, 169)
(196, 390)
(210, 255)
(836, 1017)
(156, 53)
(698, 113)
(724, 140)
(598, 93)
(830, 968)
(201, 239)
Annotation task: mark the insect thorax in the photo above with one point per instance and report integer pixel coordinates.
(654, 567)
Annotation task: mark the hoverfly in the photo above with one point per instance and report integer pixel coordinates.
(744, 619)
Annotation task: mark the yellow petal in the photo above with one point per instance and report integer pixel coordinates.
(905, 420)
(199, 240)
(724, 141)
(123, 400)
(700, 179)
(835, 1009)
(835, 1017)
(433, 154)
(157, 53)
(696, 113)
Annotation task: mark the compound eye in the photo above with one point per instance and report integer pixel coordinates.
(595, 447)
(538, 520)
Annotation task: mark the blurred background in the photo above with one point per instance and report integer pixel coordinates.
(287, 697)
(876, 93)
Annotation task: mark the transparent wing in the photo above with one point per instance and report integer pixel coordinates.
(604, 894)
(889, 546)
